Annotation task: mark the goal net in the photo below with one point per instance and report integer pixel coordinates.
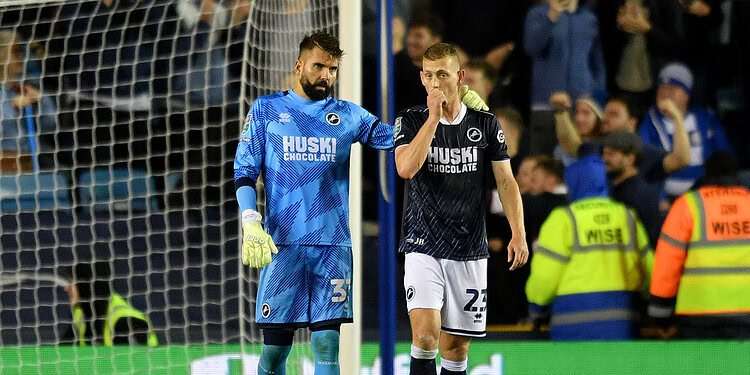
(119, 236)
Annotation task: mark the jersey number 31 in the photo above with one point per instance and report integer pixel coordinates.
(340, 289)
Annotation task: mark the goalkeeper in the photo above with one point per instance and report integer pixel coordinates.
(300, 140)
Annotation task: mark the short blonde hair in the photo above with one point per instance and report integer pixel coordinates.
(440, 50)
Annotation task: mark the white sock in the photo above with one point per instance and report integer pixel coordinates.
(420, 353)
(454, 365)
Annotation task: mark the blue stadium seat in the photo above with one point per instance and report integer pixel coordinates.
(121, 189)
(34, 192)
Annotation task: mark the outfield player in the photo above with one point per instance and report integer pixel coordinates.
(300, 140)
(446, 151)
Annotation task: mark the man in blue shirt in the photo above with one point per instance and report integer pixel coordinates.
(562, 39)
(300, 141)
(705, 133)
(27, 116)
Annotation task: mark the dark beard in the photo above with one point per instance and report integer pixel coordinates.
(313, 93)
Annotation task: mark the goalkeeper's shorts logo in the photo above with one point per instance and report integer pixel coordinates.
(333, 119)
(410, 291)
(265, 310)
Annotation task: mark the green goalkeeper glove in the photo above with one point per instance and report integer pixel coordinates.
(472, 99)
(257, 245)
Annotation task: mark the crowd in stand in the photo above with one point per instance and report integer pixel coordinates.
(146, 86)
(647, 90)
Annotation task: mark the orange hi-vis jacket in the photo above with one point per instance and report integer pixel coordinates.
(702, 263)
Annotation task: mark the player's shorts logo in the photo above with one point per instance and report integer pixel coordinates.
(265, 310)
(333, 119)
(474, 134)
(410, 293)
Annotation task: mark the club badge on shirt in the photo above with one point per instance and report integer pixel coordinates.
(333, 119)
(474, 134)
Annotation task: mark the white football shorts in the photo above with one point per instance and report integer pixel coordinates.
(457, 288)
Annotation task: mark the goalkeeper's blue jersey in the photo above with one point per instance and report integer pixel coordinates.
(302, 148)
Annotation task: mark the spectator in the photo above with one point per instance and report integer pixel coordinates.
(239, 14)
(701, 22)
(213, 89)
(123, 77)
(492, 32)
(422, 32)
(515, 135)
(370, 28)
(122, 52)
(547, 177)
(590, 262)
(398, 29)
(704, 131)
(543, 191)
(370, 36)
(702, 258)
(525, 171)
(638, 37)
(208, 79)
(621, 152)
(563, 41)
(548, 192)
(101, 315)
(653, 163)
(27, 116)
(538, 177)
(583, 129)
(120, 67)
(619, 115)
(480, 77)
(492, 35)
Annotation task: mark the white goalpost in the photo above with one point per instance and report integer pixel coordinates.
(350, 88)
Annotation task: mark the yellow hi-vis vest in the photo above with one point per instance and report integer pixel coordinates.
(79, 324)
(592, 245)
(117, 309)
(706, 264)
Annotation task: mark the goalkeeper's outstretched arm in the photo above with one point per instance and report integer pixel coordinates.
(257, 245)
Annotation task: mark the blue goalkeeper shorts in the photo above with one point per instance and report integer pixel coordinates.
(305, 286)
